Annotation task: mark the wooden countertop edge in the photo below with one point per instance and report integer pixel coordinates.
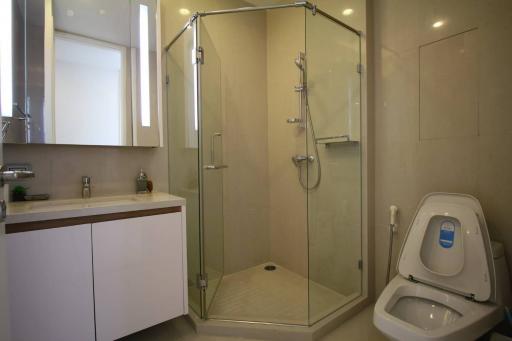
(55, 223)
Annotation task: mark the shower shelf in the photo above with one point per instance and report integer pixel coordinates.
(342, 139)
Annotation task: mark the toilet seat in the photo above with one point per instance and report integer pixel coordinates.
(446, 285)
(414, 311)
(464, 266)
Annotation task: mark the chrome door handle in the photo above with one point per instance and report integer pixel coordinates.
(212, 146)
(214, 167)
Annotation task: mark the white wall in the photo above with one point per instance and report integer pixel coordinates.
(459, 141)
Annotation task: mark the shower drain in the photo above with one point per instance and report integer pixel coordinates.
(270, 267)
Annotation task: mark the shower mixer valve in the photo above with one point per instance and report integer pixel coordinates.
(298, 159)
(300, 88)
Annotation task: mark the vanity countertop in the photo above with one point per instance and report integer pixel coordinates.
(30, 211)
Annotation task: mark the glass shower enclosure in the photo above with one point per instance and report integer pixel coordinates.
(264, 143)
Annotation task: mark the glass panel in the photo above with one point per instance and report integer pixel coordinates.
(334, 206)
(293, 244)
(183, 151)
(265, 227)
(211, 166)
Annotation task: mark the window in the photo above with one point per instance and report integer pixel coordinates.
(90, 91)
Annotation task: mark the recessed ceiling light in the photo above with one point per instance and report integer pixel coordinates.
(184, 11)
(70, 13)
(438, 24)
(347, 11)
(102, 12)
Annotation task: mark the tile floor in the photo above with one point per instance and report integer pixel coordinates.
(279, 296)
(359, 328)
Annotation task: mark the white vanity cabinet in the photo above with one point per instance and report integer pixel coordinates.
(101, 276)
(138, 267)
(51, 285)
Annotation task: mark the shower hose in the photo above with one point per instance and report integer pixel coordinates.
(317, 156)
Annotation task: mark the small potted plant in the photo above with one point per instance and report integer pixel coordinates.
(18, 193)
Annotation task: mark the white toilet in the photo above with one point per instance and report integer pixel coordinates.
(453, 282)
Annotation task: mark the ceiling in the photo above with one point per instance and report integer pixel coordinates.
(114, 21)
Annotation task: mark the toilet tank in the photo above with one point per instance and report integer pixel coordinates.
(503, 288)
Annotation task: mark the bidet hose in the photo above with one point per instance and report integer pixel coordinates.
(390, 252)
(393, 213)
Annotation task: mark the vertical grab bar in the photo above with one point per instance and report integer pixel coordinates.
(212, 147)
(302, 88)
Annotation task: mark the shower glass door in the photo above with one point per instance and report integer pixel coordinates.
(211, 163)
(184, 151)
(335, 206)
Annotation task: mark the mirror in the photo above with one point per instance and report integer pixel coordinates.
(82, 72)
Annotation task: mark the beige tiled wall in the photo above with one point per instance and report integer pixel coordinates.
(462, 153)
(288, 205)
(59, 169)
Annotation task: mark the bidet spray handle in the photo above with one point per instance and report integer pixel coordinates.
(393, 227)
(393, 218)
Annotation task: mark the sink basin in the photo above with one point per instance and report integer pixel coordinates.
(91, 202)
(64, 208)
(71, 203)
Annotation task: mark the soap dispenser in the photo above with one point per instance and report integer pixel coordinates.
(142, 182)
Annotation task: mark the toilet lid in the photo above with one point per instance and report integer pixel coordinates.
(448, 246)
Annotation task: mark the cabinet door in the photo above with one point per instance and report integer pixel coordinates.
(50, 284)
(138, 273)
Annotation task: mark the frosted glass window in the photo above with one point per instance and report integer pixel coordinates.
(90, 99)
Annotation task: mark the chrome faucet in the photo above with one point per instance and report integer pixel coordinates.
(86, 187)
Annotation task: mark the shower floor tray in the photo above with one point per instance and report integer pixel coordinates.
(279, 296)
